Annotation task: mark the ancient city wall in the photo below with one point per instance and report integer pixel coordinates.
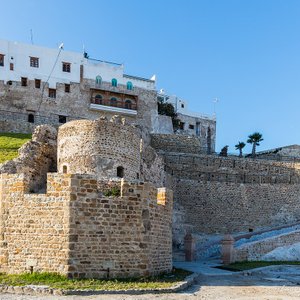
(228, 195)
(35, 158)
(176, 143)
(17, 102)
(34, 227)
(75, 230)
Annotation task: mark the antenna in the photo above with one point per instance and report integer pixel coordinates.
(215, 101)
(31, 36)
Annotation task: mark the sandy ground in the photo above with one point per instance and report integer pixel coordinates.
(266, 285)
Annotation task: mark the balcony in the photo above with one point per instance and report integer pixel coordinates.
(114, 105)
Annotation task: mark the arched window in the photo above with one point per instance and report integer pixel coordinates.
(65, 169)
(98, 80)
(31, 118)
(114, 82)
(98, 99)
(129, 86)
(120, 172)
(113, 101)
(128, 104)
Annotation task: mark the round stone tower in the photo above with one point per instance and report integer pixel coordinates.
(105, 148)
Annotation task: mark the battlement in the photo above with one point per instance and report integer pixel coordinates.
(76, 230)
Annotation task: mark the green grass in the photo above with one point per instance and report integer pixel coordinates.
(247, 265)
(61, 282)
(10, 143)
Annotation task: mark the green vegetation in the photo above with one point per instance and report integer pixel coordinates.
(239, 146)
(114, 191)
(57, 281)
(247, 265)
(168, 109)
(254, 139)
(10, 143)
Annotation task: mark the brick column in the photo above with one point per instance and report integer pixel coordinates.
(189, 247)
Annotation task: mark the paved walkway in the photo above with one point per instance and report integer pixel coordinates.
(270, 283)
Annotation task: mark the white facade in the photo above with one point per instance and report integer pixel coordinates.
(50, 69)
(181, 106)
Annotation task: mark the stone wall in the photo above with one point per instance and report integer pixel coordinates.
(75, 230)
(176, 143)
(99, 147)
(17, 102)
(34, 227)
(35, 158)
(229, 195)
(256, 250)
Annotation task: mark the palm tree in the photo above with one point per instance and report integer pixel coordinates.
(239, 146)
(254, 139)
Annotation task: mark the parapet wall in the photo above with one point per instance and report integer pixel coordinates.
(74, 230)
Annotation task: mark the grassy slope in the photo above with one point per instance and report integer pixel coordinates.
(10, 143)
(247, 265)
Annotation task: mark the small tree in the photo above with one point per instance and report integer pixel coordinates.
(168, 109)
(254, 139)
(239, 146)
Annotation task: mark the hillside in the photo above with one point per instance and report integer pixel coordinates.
(10, 143)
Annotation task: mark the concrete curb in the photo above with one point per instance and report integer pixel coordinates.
(38, 290)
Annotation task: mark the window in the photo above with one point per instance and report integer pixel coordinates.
(182, 105)
(120, 172)
(65, 169)
(66, 67)
(198, 128)
(128, 104)
(113, 101)
(114, 82)
(52, 93)
(181, 125)
(34, 62)
(11, 66)
(62, 119)
(98, 80)
(1, 60)
(31, 118)
(37, 83)
(9, 82)
(98, 99)
(191, 126)
(67, 88)
(23, 81)
(129, 86)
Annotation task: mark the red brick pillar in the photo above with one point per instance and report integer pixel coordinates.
(227, 249)
(189, 247)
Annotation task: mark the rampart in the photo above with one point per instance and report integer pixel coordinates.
(75, 230)
(228, 195)
(177, 143)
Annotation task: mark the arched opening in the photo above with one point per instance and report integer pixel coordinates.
(65, 169)
(98, 80)
(31, 118)
(120, 172)
(128, 104)
(98, 99)
(129, 86)
(114, 101)
(114, 82)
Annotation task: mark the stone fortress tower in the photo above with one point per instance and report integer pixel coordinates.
(108, 149)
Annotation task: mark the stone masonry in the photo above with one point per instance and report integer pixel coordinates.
(74, 230)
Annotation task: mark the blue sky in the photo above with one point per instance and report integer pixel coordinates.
(245, 53)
